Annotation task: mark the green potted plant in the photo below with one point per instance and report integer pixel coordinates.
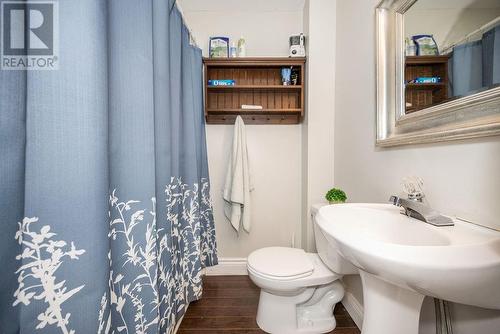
(335, 196)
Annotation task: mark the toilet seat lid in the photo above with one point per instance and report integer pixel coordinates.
(281, 262)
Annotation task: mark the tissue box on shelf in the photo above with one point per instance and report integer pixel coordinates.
(221, 82)
(423, 80)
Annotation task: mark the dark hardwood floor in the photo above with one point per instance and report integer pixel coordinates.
(229, 305)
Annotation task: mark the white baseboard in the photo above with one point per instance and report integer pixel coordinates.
(228, 266)
(354, 308)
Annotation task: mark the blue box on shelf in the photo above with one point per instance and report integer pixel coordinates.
(426, 80)
(221, 82)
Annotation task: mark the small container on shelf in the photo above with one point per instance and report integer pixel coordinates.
(286, 76)
(233, 51)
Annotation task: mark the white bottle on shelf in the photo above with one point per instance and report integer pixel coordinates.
(242, 49)
(233, 50)
(411, 48)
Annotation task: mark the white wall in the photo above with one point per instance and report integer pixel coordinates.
(274, 150)
(460, 178)
(448, 26)
(317, 130)
(265, 25)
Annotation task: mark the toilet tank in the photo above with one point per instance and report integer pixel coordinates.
(328, 251)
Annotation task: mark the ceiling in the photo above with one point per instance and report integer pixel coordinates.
(456, 4)
(242, 5)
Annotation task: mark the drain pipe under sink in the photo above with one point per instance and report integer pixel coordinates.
(443, 319)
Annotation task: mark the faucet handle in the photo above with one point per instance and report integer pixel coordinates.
(416, 197)
(413, 186)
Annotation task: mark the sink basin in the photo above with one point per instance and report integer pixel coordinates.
(401, 260)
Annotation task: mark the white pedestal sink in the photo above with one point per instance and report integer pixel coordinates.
(401, 260)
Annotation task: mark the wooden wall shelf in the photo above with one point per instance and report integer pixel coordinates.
(425, 95)
(256, 87)
(257, 82)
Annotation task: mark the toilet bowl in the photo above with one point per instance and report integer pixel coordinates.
(298, 292)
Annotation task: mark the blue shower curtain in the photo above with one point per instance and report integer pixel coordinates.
(491, 57)
(467, 68)
(106, 216)
(475, 65)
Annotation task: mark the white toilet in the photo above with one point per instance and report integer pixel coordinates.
(298, 291)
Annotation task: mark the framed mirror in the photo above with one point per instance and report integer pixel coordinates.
(438, 70)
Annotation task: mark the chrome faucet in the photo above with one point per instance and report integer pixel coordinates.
(413, 207)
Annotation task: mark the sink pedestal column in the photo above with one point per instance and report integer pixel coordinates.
(388, 308)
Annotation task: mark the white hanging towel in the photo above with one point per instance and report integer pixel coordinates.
(238, 185)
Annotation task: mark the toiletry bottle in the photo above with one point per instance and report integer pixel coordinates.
(410, 47)
(233, 50)
(242, 50)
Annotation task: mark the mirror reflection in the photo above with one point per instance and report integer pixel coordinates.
(452, 50)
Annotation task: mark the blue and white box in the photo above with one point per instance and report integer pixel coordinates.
(221, 82)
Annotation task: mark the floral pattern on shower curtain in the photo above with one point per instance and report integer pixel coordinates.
(106, 215)
(164, 258)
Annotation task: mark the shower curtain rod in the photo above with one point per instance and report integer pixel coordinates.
(480, 30)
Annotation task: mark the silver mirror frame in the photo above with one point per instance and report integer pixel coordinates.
(472, 116)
